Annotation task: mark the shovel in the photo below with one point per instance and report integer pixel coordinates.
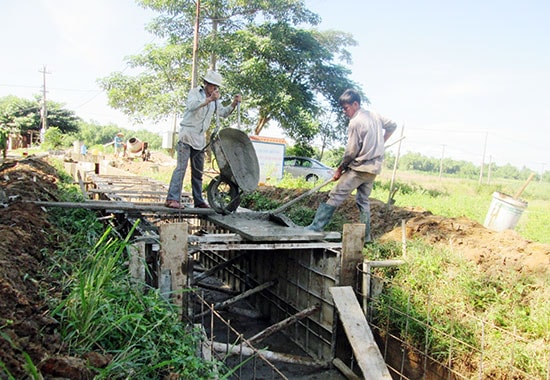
(276, 216)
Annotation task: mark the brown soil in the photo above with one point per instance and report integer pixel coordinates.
(492, 251)
(27, 238)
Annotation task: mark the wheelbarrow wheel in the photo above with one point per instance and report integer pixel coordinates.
(223, 195)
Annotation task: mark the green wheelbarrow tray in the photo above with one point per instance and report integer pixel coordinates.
(239, 170)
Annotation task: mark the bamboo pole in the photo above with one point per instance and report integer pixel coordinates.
(224, 304)
(241, 349)
(283, 324)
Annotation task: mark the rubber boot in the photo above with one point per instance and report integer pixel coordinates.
(364, 217)
(322, 217)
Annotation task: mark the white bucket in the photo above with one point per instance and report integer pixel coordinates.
(504, 212)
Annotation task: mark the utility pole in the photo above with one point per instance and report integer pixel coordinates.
(441, 162)
(44, 112)
(483, 159)
(195, 70)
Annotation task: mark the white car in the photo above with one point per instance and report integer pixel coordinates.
(307, 168)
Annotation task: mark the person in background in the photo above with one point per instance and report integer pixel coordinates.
(83, 149)
(4, 142)
(202, 103)
(362, 161)
(118, 144)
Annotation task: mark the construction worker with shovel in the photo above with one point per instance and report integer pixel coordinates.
(362, 161)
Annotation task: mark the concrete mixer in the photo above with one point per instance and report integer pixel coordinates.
(136, 148)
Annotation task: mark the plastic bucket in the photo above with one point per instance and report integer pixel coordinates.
(504, 212)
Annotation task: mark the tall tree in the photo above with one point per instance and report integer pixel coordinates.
(286, 74)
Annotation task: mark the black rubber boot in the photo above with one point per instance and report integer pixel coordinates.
(322, 217)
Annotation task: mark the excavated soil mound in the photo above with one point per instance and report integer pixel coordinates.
(26, 239)
(493, 251)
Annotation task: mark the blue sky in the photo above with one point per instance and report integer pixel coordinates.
(461, 77)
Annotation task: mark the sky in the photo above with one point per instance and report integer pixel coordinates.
(465, 79)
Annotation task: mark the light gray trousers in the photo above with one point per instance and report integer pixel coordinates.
(349, 181)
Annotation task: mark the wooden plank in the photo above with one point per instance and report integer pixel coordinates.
(359, 334)
(174, 258)
(257, 227)
(267, 246)
(352, 253)
(126, 206)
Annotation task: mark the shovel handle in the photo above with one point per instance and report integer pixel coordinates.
(520, 191)
(307, 193)
(239, 115)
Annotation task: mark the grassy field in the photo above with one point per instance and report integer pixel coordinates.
(452, 197)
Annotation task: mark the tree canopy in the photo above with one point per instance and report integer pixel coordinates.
(22, 115)
(286, 73)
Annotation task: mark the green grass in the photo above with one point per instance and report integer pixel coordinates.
(103, 309)
(106, 311)
(438, 294)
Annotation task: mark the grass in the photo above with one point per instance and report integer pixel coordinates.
(446, 304)
(441, 300)
(106, 311)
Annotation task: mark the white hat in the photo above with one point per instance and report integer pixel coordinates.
(213, 77)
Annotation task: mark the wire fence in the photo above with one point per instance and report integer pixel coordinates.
(422, 344)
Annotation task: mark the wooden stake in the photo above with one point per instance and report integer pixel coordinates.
(520, 191)
(174, 259)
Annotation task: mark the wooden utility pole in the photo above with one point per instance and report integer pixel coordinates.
(195, 70)
(44, 108)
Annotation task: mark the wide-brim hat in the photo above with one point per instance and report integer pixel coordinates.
(213, 77)
(120, 134)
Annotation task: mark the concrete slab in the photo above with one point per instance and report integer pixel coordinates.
(257, 227)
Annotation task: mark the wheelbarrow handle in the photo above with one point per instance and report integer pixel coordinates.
(307, 193)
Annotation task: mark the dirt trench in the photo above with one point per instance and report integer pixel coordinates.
(27, 238)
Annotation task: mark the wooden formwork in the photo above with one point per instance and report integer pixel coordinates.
(302, 276)
(300, 268)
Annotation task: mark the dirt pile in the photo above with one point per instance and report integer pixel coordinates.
(26, 239)
(492, 251)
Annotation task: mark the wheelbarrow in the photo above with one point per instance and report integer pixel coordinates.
(239, 170)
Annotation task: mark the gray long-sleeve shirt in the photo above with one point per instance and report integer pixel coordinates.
(196, 119)
(365, 148)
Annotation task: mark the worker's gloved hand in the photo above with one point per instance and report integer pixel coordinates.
(337, 174)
